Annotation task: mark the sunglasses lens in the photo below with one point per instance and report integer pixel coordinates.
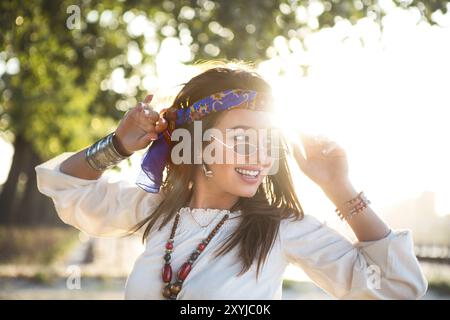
(244, 149)
(247, 149)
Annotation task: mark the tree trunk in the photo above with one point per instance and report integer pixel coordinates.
(27, 206)
(31, 210)
(9, 190)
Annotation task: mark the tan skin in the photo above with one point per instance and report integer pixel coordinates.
(330, 171)
(135, 132)
(224, 188)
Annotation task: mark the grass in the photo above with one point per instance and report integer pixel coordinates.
(35, 245)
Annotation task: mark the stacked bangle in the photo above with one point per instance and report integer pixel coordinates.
(103, 155)
(353, 206)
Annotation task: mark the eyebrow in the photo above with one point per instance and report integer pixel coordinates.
(242, 127)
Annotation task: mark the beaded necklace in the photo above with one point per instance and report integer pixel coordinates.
(171, 290)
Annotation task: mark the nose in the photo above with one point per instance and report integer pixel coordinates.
(263, 157)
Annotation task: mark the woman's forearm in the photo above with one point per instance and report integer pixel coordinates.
(139, 126)
(77, 166)
(366, 225)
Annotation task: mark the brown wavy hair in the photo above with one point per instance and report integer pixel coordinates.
(275, 198)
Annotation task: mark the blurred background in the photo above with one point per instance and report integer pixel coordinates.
(373, 75)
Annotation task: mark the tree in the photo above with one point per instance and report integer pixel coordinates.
(55, 94)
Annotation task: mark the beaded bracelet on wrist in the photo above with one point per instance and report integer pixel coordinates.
(353, 206)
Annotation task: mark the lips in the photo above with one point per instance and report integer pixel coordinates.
(248, 173)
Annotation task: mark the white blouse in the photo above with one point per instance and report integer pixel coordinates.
(347, 271)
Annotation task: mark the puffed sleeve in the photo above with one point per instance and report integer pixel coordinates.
(98, 207)
(381, 269)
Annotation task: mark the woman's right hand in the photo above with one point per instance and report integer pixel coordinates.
(139, 126)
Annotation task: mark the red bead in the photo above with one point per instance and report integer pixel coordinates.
(201, 246)
(184, 271)
(167, 273)
(169, 245)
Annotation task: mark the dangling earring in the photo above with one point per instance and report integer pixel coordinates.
(208, 173)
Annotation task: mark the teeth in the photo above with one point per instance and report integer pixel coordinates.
(252, 173)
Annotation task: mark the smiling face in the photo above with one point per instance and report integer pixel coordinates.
(242, 176)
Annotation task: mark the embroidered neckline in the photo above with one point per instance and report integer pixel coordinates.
(206, 216)
(209, 211)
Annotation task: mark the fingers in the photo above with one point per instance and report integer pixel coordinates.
(161, 125)
(147, 138)
(329, 147)
(319, 146)
(306, 138)
(145, 115)
(312, 144)
(313, 140)
(150, 115)
(148, 99)
(145, 105)
(334, 150)
(150, 120)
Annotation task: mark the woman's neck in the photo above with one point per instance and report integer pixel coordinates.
(208, 199)
(207, 195)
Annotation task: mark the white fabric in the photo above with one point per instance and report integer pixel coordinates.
(104, 208)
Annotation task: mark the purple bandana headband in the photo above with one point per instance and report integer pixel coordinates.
(157, 155)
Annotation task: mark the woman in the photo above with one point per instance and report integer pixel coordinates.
(216, 230)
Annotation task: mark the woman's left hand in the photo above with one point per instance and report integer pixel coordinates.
(323, 160)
